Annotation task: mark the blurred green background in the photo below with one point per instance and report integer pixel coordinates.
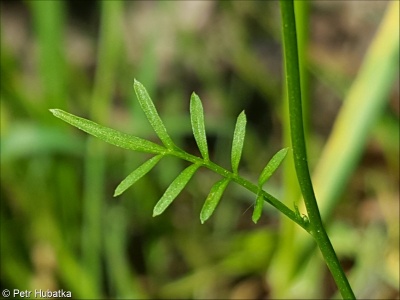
(62, 229)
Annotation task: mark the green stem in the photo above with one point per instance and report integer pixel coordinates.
(317, 229)
(243, 182)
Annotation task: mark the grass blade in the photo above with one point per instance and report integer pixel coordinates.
(109, 135)
(213, 199)
(49, 23)
(137, 174)
(151, 113)
(238, 140)
(272, 165)
(174, 189)
(197, 120)
(257, 209)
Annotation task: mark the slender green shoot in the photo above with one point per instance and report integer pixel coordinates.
(317, 229)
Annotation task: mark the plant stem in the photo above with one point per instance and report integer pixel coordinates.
(243, 182)
(317, 229)
(285, 263)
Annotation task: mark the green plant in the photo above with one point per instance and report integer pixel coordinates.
(57, 184)
(312, 223)
(130, 142)
(317, 229)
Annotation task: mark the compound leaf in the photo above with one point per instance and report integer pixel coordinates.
(238, 140)
(213, 199)
(258, 208)
(174, 189)
(272, 165)
(197, 120)
(151, 113)
(109, 135)
(137, 174)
